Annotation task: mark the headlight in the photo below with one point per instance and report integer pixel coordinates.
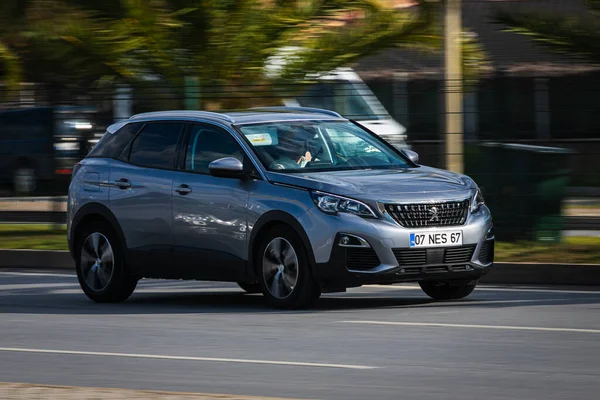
(332, 204)
(477, 201)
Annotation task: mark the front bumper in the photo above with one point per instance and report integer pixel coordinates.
(387, 258)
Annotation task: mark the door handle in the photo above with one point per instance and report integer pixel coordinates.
(122, 183)
(183, 189)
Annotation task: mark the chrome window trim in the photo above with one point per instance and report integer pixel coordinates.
(228, 128)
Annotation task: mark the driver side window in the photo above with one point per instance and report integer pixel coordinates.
(208, 143)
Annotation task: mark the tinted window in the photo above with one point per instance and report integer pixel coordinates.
(207, 144)
(156, 145)
(320, 146)
(112, 144)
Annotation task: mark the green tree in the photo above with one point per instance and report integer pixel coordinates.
(82, 42)
(576, 35)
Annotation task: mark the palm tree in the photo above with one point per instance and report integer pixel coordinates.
(563, 33)
(81, 42)
(11, 15)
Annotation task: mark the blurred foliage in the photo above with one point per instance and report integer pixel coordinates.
(584, 250)
(78, 43)
(575, 35)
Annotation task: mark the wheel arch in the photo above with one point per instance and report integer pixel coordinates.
(266, 222)
(94, 212)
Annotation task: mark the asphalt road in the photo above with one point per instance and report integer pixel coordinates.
(370, 343)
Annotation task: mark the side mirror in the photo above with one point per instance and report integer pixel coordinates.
(228, 167)
(412, 155)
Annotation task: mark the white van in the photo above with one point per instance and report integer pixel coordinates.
(343, 91)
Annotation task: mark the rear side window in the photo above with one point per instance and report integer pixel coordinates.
(156, 145)
(112, 144)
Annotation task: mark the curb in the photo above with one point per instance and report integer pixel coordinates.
(544, 274)
(36, 259)
(508, 273)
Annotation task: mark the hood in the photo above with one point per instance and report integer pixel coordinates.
(409, 184)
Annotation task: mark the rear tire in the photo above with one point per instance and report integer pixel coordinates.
(285, 273)
(250, 287)
(448, 290)
(100, 263)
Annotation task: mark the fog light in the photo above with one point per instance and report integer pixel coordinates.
(490, 233)
(347, 240)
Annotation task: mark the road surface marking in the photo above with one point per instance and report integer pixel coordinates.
(471, 302)
(534, 290)
(468, 326)
(184, 358)
(38, 274)
(357, 290)
(490, 289)
(25, 286)
(390, 287)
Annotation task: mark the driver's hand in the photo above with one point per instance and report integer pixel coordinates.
(305, 159)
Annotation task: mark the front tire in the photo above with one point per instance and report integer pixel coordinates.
(101, 270)
(284, 270)
(448, 290)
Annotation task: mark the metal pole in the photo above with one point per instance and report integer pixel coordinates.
(453, 85)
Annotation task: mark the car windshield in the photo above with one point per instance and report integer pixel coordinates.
(320, 146)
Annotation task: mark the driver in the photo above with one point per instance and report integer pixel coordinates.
(289, 153)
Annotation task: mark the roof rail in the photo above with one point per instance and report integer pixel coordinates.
(302, 109)
(183, 113)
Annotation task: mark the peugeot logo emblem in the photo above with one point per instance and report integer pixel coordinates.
(433, 211)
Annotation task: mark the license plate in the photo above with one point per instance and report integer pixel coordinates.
(436, 239)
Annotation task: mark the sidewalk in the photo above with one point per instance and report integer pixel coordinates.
(33, 203)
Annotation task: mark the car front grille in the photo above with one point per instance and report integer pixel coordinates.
(486, 253)
(449, 213)
(361, 258)
(448, 255)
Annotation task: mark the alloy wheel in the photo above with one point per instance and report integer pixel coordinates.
(97, 261)
(280, 268)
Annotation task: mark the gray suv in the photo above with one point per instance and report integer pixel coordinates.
(290, 202)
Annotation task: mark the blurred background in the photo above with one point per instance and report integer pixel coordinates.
(505, 91)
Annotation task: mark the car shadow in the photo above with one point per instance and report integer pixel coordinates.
(201, 299)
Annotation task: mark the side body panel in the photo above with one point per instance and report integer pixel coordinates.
(210, 226)
(269, 203)
(87, 187)
(144, 211)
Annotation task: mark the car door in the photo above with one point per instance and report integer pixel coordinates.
(141, 196)
(209, 213)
